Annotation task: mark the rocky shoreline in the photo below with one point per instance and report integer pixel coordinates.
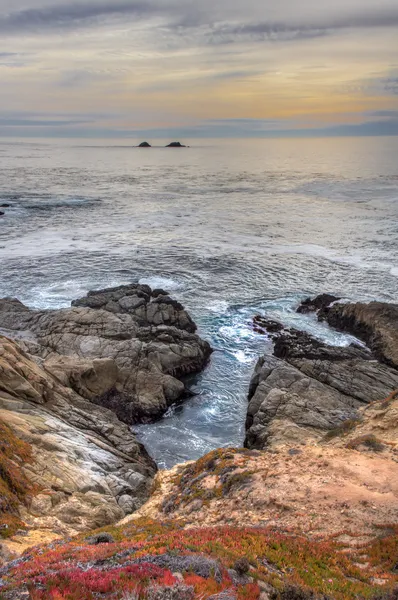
(320, 458)
(72, 380)
(307, 387)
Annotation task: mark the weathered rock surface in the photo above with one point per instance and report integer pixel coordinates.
(86, 462)
(351, 370)
(264, 325)
(314, 304)
(288, 406)
(139, 344)
(72, 380)
(375, 323)
(313, 389)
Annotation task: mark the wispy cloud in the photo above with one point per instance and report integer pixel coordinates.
(384, 114)
(227, 32)
(73, 15)
(188, 68)
(181, 15)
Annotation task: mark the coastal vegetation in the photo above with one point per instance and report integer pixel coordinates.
(307, 511)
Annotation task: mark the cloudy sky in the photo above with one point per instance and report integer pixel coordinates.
(198, 68)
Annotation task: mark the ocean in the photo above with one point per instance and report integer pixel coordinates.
(231, 228)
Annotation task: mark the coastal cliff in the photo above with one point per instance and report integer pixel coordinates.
(308, 510)
(70, 386)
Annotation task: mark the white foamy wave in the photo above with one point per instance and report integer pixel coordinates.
(237, 333)
(58, 295)
(242, 357)
(394, 271)
(218, 306)
(154, 281)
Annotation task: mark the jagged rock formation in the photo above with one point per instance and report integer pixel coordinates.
(88, 467)
(121, 349)
(287, 405)
(375, 323)
(310, 305)
(351, 370)
(144, 338)
(314, 388)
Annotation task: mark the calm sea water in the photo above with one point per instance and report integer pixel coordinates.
(231, 228)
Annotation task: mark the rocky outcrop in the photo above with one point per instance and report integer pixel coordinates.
(139, 342)
(308, 388)
(72, 380)
(175, 145)
(87, 466)
(144, 145)
(375, 323)
(288, 406)
(351, 370)
(310, 305)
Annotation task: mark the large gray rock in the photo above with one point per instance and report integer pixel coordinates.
(309, 388)
(375, 323)
(351, 370)
(288, 406)
(88, 466)
(140, 344)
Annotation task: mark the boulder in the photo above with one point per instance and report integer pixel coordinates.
(121, 348)
(352, 370)
(285, 405)
(144, 145)
(263, 325)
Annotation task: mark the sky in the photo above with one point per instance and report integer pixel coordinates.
(205, 68)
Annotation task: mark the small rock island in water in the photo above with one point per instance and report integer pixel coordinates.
(171, 145)
(175, 145)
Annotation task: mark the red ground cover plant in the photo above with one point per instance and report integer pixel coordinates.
(77, 571)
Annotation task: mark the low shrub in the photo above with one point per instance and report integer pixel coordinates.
(344, 429)
(369, 441)
(15, 488)
(293, 592)
(147, 553)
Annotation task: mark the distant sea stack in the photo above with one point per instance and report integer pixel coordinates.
(144, 145)
(175, 145)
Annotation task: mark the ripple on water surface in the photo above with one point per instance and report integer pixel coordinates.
(230, 230)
